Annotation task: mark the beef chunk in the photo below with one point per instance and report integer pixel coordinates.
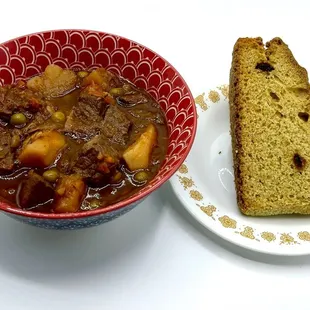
(116, 125)
(96, 160)
(64, 163)
(41, 120)
(67, 159)
(132, 99)
(147, 115)
(6, 154)
(94, 96)
(4, 109)
(86, 166)
(96, 111)
(86, 116)
(14, 99)
(83, 120)
(35, 191)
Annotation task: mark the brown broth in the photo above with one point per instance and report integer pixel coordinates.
(111, 192)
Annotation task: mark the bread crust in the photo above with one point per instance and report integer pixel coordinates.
(235, 126)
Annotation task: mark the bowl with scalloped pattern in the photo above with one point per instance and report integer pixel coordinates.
(29, 55)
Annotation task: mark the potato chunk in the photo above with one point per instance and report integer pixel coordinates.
(103, 78)
(41, 149)
(137, 155)
(54, 82)
(69, 194)
(95, 77)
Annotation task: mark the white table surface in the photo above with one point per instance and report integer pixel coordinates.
(155, 257)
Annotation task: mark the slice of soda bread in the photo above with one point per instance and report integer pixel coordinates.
(269, 114)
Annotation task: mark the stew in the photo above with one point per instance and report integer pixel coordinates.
(73, 141)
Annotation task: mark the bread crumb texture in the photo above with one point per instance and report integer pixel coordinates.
(269, 115)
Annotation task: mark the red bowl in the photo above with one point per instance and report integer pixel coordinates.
(26, 56)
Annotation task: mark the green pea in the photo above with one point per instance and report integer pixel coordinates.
(127, 88)
(117, 176)
(15, 141)
(141, 176)
(3, 153)
(116, 92)
(58, 117)
(94, 204)
(18, 119)
(82, 74)
(51, 175)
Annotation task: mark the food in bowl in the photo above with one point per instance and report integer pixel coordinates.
(27, 56)
(77, 140)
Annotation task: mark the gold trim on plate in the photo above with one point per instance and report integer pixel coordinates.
(214, 96)
(304, 235)
(228, 222)
(248, 232)
(186, 182)
(195, 195)
(209, 210)
(183, 169)
(201, 102)
(268, 236)
(224, 90)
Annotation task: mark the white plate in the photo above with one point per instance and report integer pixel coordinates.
(205, 185)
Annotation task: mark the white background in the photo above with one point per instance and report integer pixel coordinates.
(155, 257)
